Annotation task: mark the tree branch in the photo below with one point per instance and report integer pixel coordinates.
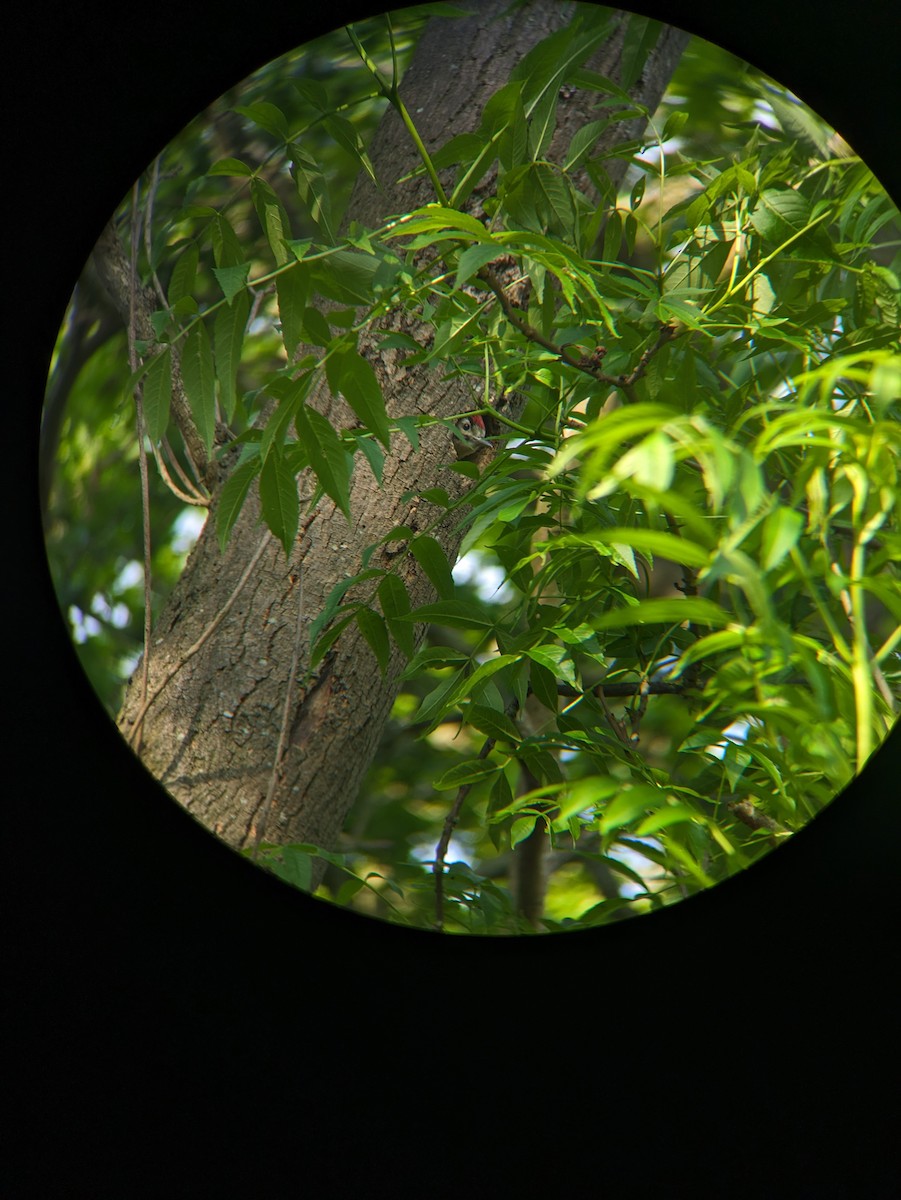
(590, 365)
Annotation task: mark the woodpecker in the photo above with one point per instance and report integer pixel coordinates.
(470, 436)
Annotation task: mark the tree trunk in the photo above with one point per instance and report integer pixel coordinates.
(212, 734)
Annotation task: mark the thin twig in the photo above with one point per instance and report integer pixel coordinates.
(618, 727)
(148, 230)
(590, 365)
(192, 497)
(276, 773)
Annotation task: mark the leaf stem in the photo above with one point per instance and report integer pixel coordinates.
(391, 94)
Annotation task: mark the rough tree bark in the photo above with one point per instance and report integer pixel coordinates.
(211, 734)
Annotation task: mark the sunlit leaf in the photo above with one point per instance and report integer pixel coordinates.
(781, 531)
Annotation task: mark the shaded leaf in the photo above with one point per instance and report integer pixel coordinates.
(395, 604)
(232, 279)
(496, 724)
(328, 458)
(157, 394)
(474, 770)
(228, 337)
(232, 496)
(351, 375)
(375, 631)
(278, 497)
(199, 379)
(428, 553)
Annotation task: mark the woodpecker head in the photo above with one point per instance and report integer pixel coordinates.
(471, 436)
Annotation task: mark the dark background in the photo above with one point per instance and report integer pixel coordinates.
(181, 1024)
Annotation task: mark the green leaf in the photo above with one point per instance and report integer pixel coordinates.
(472, 260)
(328, 458)
(267, 116)
(584, 795)
(583, 142)
(232, 496)
(296, 867)
(181, 281)
(462, 148)
(474, 770)
(798, 122)
(433, 560)
(438, 702)
(374, 456)
(292, 289)
(629, 804)
(781, 531)
(538, 197)
(199, 379)
(664, 611)
(458, 614)
(278, 497)
(475, 682)
(544, 684)
(227, 249)
(313, 191)
(374, 630)
(436, 217)
(346, 136)
(496, 724)
(654, 541)
(522, 828)
(290, 395)
(459, 330)
(409, 427)
(547, 67)
(555, 659)
(334, 598)
(640, 39)
(779, 214)
(613, 237)
(395, 604)
(713, 643)
(157, 394)
(230, 166)
(313, 93)
(350, 375)
(675, 814)
(273, 219)
(675, 123)
(346, 276)
(228, 338)
(322, 645)
(316, 328)
(502, 135)
(232, 279)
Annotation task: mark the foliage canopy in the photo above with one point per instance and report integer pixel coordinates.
(673, 635)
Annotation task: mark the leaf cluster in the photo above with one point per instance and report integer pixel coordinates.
(695, 518)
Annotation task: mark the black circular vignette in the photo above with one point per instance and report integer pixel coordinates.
(163, 988)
